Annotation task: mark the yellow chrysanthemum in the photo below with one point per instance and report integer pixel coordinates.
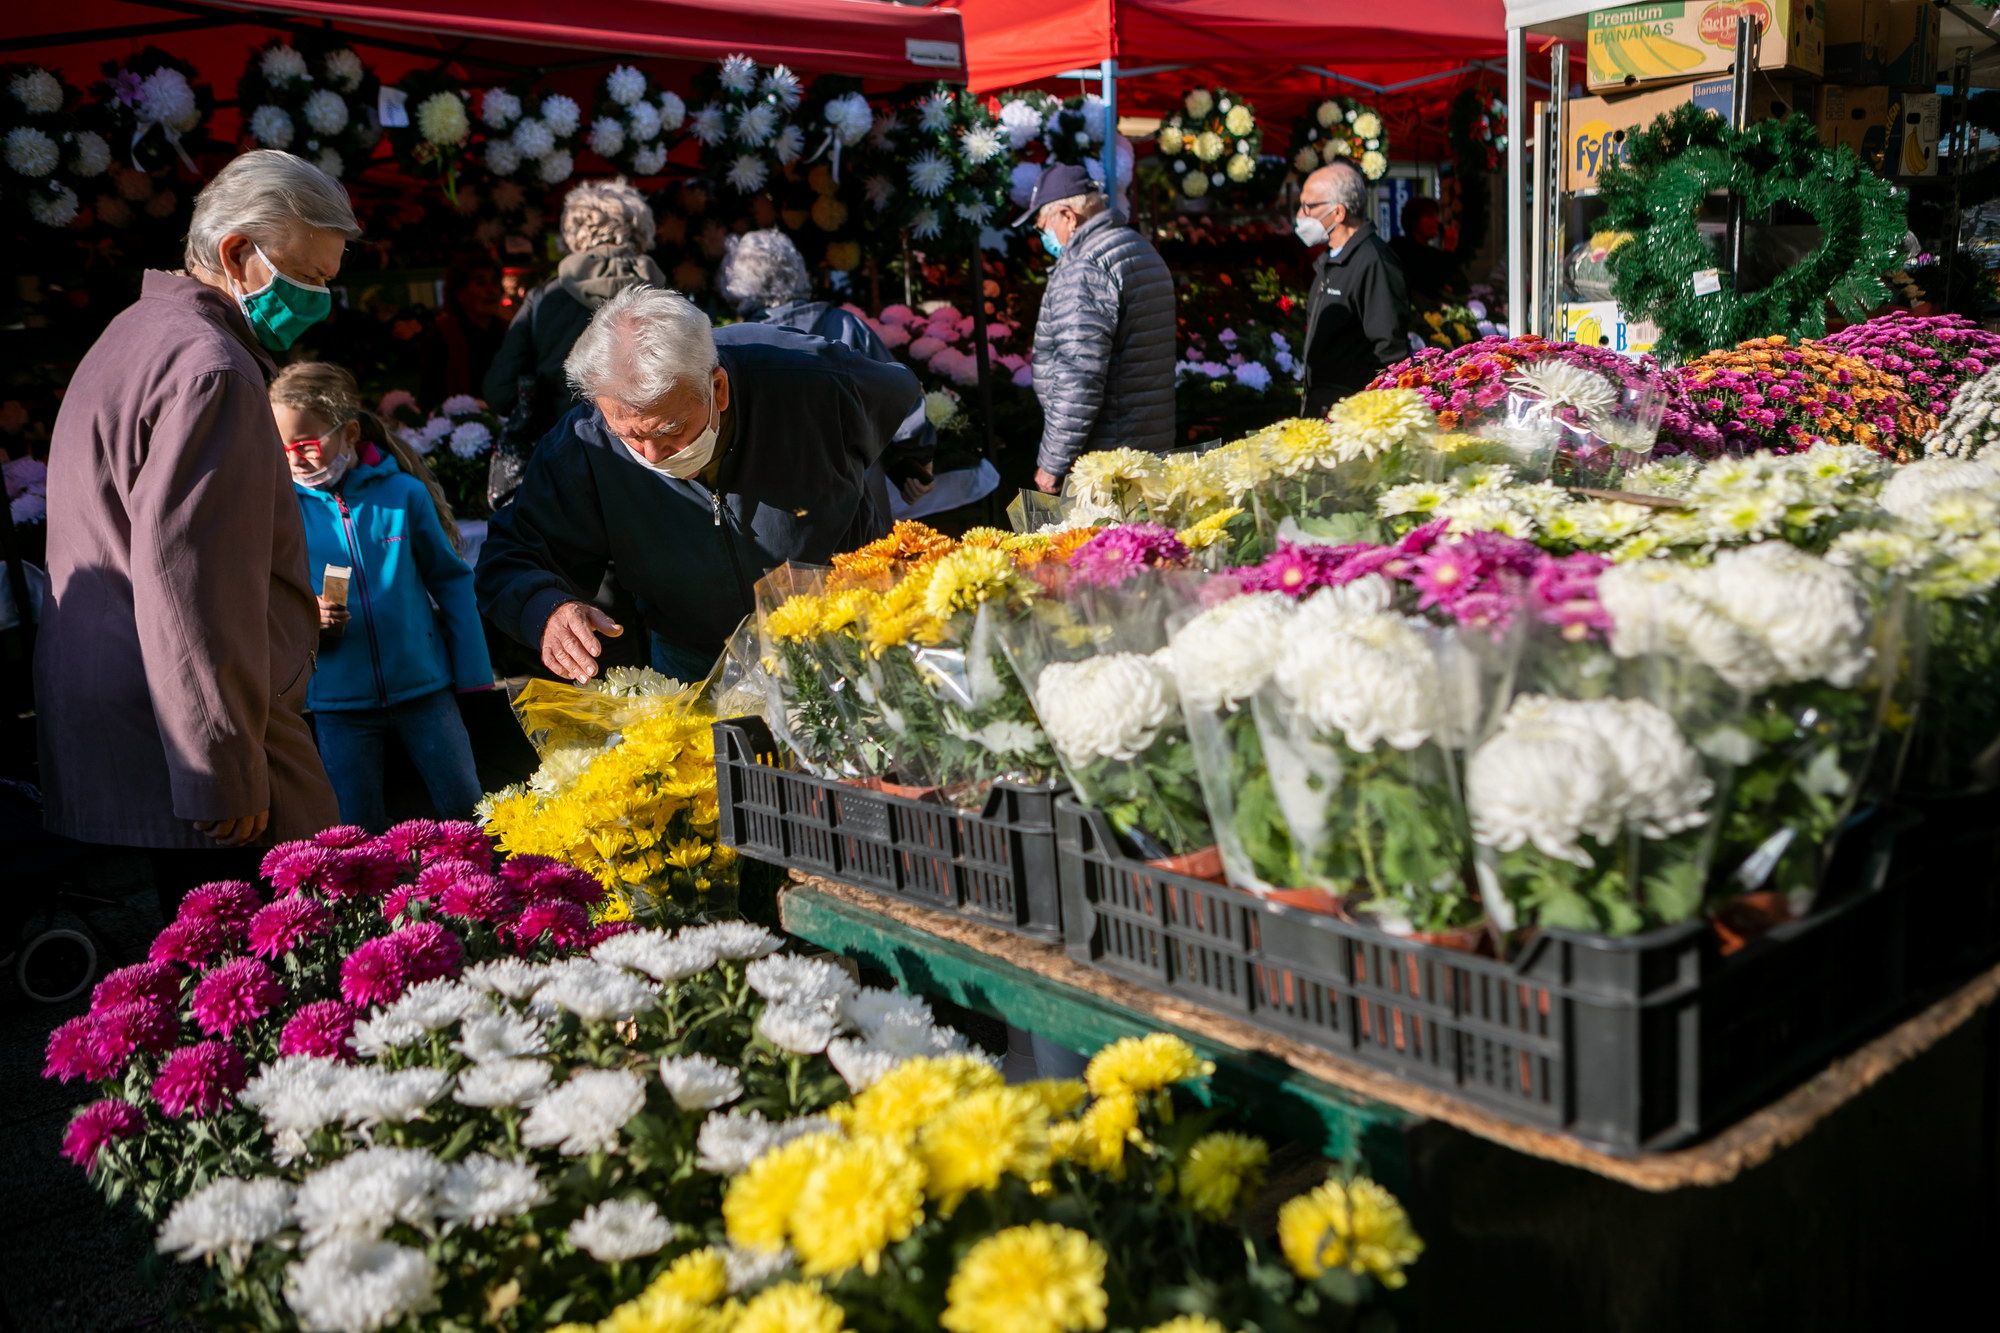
(700, 1277)
(1356, 1225)
(1115, 479)
(1207, 532)
(1371, 423)
(842, 610)
(980, 1140)
(857, 571)
(791, 1307)
(886, 629)
(989, 539)
(1210, 146)
(1144, 1064)
(757, 1208)
(1059, 1096)
(648, 1313)
(967, 579)
(909, 1096)
(794, 619)
(1239, 121)
(1040, 1278)
(863, 1196)
(1221, 1172)
(1097, 1142)
(1188, 1323)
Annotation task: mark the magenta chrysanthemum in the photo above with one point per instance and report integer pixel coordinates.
(141, 981)
(367, 871)
(341, 835)
(98, 1124)
(199, 1079)
(429, 951)
(231, 902)
(193, 941)
(565, 925)
(292, 866)
(1935, 355)
(323, 1029)
(122, 1031)
(459, 840)
(287, 925)
(475, 896)
(235, 994)
(607, 930)
(1117, 554)
(546, 880)
(375, 973)
(409, 840)
(72, 1052)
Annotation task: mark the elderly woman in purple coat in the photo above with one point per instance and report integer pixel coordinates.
(179, 633)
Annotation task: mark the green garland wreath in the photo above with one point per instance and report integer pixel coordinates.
(1671, 168)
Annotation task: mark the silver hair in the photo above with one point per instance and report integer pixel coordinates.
(607, 213)
(1085, 206)
(643, 344)
(762, 269)
(1350, 189)
(265, 195)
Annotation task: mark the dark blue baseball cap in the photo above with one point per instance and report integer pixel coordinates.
(1059, 182)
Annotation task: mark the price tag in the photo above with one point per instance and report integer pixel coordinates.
(1708, 282)
(392, 108)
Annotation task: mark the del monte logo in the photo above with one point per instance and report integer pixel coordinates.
(1717, 25)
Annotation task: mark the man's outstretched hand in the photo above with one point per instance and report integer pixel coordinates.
(570, 644)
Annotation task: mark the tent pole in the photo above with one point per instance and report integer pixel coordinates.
(1517, 133)
(1111, 131)
(981, 364)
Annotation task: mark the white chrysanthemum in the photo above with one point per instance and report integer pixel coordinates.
(650, 160)
(1665, 609)
(54, 207)
(594, 992)
(471, 439)
(1225, 654)
(798, 1030)
(326, 111)
(748, 173)
(710, 125)
(789, 145)
(698, 1083)
(1884, 550)
(432, 1006)
(377, 1036)
(30, 152)
(642, 122)
(1560, 383)
(226, 1217)
(502, 157)
(271, 126)
(1545, 783)
(607, 137)
(360, 1286)
(1911, 489)
(556, 168)
(974, 211)
(980, 144)
(618, 1230)
(1107, 707)
(861, 1063)
(281, 64)
(756, 124)
(533, 139)
(625, 85)
(1662, 789)
(941, 407)
(934, 113)
(739, 73)
(784, 85)
(500, 1036)
(483, 1191)
(750, 1268)
(1371, 423)
(374, 1097)
(344, 69)
(926, 225)
(561, 114)
(871, 1007)
(673, 111)
(850, 117)
(729, 1141)
(585, 1114)
(441, 119)
(166, 98)
(363, 1193)
(511, 978)
(656, 954)
(297, 1096)
(804, 982)
(1021, 121)
(1366, 679)
(1374, 165)
(1809, 613)
(880, 191)
(90, 155)
(733, 939)
(39, 92)
(503, 1083)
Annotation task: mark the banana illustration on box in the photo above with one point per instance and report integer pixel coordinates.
(1639, 52)
(1916, 153)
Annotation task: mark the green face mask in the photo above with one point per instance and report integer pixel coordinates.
(283, 308)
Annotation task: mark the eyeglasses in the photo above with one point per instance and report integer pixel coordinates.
(299, 448)
(1310, 204)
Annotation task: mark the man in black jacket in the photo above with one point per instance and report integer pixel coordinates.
(697, 461)
(1357, 320)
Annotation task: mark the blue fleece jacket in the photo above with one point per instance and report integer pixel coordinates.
(415, 626)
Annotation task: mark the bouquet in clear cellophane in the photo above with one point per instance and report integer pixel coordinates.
(1093, 658)
(809, 623)
(1317, 480)
(625, 791)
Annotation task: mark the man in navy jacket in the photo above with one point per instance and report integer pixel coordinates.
(697, 460)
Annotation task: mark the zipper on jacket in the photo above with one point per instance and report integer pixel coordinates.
(361, 586)
(728, 546)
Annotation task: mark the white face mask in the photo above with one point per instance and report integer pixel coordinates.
(1310, 230)
(689, 461)
(327, 477)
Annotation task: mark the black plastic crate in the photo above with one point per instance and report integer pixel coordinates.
(996, 864)
(1947, 865)
(1632, 1045)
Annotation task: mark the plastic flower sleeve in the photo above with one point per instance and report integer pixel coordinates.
(1360, 738)
(1094, 663)
(811, 661)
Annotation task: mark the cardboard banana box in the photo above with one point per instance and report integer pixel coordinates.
(1633, 46)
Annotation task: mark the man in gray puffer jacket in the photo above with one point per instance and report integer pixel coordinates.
(1104, 343)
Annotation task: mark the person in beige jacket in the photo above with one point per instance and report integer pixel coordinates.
(178, 636)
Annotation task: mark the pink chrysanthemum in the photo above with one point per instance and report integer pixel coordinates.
(292, 866)
(141, 981)
(199, 1079)
(1117, 554)
(98, 1124)
(476, 896)
(565, 925)
(122, 1031)
(323, 1029)
(430, 951)
(72, 1052)
(193, 941)
(341, 835)
(375, 973)
(409, 840)
(399, 901)
(607, 930)
(287, 925)
(460, 840)
(231, 902)
(367, 871)
(233, 995)
(547, 880)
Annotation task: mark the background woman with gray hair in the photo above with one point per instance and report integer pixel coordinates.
(178, 636)
(607, 227)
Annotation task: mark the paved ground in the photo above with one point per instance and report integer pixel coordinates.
(68, 1263)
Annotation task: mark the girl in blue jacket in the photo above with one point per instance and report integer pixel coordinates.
(408, 636)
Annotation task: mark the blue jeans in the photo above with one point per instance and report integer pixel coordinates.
(352, 744)
(683, 664)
